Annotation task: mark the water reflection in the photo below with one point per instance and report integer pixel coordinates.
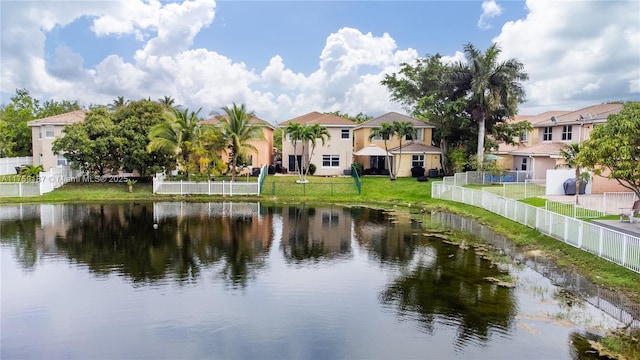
(334, 274)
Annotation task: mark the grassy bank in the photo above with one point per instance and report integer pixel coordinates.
(404, 193)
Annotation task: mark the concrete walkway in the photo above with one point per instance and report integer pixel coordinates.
(632, 229)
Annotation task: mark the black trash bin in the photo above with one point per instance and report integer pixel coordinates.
(433, 173)
(255, 171)
(569, 187)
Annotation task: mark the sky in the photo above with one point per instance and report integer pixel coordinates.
(283, 59)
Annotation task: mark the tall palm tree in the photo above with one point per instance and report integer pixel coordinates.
(570, 155)
(167, 102)
(175, 134)
(386, 132)
(118, 103)
(403, 129)
(312, 134)
(239, 132)
(295, 132)
(490, 86)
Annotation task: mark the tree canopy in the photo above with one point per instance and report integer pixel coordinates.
(238, 132)
(613, 149)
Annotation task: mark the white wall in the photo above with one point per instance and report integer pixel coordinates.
(556, 178)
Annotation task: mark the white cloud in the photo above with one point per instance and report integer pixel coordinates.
(490, 9)
(576, 53)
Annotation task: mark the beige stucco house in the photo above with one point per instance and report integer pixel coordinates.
(44, 131)
(263, 155)
(416, 152)
(332, 158)
(538, 150)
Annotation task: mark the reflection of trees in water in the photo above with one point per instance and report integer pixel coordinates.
(122, 238)
(21, 234)
(315, 233)
(451, 286)
(386, 238)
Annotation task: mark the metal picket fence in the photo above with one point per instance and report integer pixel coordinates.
(617, 247)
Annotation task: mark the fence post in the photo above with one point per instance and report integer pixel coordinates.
(580, 233)
(624, 250)
(181, 187)
(209, 186)
(600, 242)
(20, 189)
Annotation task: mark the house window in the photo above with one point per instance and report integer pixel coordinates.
(380, 138)
(523, 136)
(417, 161)
(62, 160)
(419, 135)
(523, 164)
(49, 131)
(330, 160)
(330, 219)
(566, 132)
(344, 134)
(547, 134)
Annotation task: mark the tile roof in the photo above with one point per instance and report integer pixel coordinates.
(315, 117)
(61, 119)
(542, 149)
(545, 117)
(253, 120)
(594, 113)
(414, 147)
(504, 148)
(394, 116)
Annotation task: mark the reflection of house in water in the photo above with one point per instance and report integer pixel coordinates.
(244, 221)
(316, 232)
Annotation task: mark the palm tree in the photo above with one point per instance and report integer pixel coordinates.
(403, 128)
(166, 102)
(570, 155)
(312, 134)
(490, 86)
(238, 132)
(118, 103)
(295, 132)
(385, 131)
(175, 134)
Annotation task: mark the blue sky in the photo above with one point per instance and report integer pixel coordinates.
(287, 58)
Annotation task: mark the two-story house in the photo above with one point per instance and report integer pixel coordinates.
(263, 153)
(44, 131)
(332, 158)
(416, 152)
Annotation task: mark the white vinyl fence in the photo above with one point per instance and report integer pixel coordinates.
(8, 165)
(617, 247)
(47, 182)
(225, 188)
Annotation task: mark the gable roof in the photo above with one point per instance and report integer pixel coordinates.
(252, 120)
(394, 116)
(314, 117)
(60, 119)
(543, 149)
(594, 113)
(416, 148)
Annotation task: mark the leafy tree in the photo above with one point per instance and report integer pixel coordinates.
(52, 108)
(15, 134)
(490, 87)
(239, 132)
(386, 132)
(175, 134)
(403, 129)
(295, 132)
(614, 148)
(91, 145)
(311, 134)
(359, 118)
(133, 124)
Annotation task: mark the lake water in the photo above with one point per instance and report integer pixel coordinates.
(241, 280)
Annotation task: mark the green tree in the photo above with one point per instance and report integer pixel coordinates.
(295, 132)
(15, 134)
(133, 124)
(359, 118)
(492, 88)
(31, 171)
(239, 132)
(52, 108)
(613, 149)
(91, 145)
(167, 102)
(386, 132)
(175, 134)
(118, 103)
(403, 129)
(311, 134)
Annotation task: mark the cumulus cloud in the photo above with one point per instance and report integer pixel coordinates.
(490, 9)
(574, 53)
